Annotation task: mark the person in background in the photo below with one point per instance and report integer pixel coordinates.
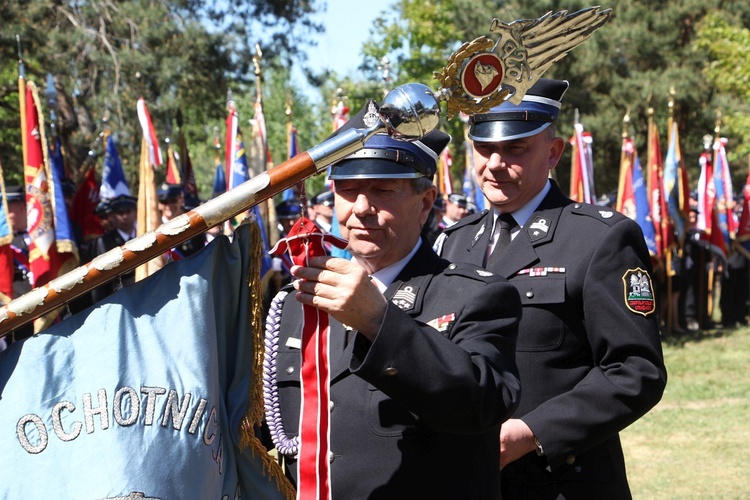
(432, 228)
(421, 349)
(589, 351)
(456, 208)
(123, 216)
(322, 203)
(171, 204)
(22, 277)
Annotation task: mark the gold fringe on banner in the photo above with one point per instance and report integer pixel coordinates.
(254, 412)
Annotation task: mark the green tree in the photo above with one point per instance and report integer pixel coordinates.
(630, 64)
(179, 55)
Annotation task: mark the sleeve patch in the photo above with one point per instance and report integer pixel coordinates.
(639, 296)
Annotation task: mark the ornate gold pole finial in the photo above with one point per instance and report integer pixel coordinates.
(288, 111)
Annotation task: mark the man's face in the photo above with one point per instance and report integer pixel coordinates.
(381, 218)
(171, 207)
(124, 219)
(17, 215)
(324, 211)
(454, 211)
(511, 173)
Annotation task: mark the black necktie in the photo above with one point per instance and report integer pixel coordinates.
(506, 224)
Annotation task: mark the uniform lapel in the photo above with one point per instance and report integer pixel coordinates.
(476, 247)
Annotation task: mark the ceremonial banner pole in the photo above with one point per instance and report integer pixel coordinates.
(410, 111)
(481, 74)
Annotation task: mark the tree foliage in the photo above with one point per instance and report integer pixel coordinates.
(178, 54)
(628, 66)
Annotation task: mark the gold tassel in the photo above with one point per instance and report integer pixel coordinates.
(254, 412)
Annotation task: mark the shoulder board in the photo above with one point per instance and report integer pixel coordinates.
(466, 221)
(606, 215)
(466, 270)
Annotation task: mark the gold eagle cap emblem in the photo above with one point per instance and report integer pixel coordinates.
(483, 73)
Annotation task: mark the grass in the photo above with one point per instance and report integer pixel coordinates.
(696, 441)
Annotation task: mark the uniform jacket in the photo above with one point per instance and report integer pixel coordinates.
(105, 243)
(588, 348)
(416, 413)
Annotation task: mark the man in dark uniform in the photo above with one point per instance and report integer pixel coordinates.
(423, 375)
(588, 350)
(22, 278)
(123, 209)
(172, 204)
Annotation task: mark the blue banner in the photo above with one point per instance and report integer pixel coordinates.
(142, 394)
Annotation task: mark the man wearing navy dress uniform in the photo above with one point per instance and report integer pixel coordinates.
(588, 349)
(172, 204)
(421, 350)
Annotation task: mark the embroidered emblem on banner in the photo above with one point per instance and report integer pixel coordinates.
(405, 297)
(442, 323)
(135, 495)
(639, 296)
(542, 271)
(538, 229)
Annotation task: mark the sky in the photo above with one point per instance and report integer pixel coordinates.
(347, 25)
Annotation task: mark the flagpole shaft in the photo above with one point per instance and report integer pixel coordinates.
(120, 260)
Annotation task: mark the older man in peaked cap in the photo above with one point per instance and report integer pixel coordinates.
(421, 354)
(588, 350)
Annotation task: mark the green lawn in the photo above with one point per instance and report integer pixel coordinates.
(696, 441)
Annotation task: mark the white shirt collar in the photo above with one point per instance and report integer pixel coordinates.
(384, 277)
(125, 236)
(522, 215)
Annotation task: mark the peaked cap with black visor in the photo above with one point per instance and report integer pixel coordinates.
(536, 112)
(386, 158)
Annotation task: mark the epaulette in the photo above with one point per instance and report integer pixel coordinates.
(466, 221)
(606, 215)
(472, 271)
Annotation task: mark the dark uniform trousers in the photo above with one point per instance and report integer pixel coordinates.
(589, 356)
(416, 413)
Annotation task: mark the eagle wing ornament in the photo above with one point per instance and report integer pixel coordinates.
(482, 73)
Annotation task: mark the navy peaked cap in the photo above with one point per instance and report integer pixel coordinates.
(538, 109)
(386, 158)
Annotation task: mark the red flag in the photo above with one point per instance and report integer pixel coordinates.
(149, 134)
(82, 210)
(44, 260)
(174, 176)
(582, 169)
(664, 233)
(625, 191)
(444, 178)
(743, 229)
(708, 216)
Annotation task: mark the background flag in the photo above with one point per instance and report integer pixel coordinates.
(470, 186)
(6, 253)
(676, 188)
(149, 217)
(44, 261)
(82, 210)
(724, 192)
(743, 229)
(64, 238)
(582, 169)
(444, 179)
(113, 177)
(657, 201)
(292, 151)
(237, 173)
(153, 392)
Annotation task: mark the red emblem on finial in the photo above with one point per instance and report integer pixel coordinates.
(482, 75)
